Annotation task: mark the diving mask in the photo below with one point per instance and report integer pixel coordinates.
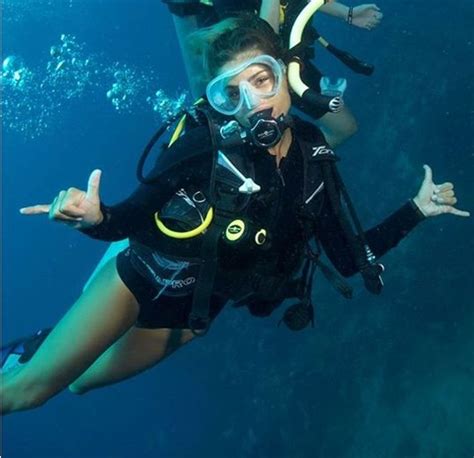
(228, 97)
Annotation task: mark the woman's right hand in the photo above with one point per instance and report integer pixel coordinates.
(75, 208)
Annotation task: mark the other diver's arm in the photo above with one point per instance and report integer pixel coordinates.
(338, 127)
(335, 9)
(366, 16)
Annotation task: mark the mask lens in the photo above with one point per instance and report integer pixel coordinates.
(263, 82)
(227, 93)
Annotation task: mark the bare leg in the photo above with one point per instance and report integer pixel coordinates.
(136, 351)
(338, 127)
(103, 313)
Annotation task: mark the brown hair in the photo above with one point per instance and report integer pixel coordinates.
(221, 42)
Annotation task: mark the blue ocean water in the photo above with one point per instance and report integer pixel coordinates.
(388, 376)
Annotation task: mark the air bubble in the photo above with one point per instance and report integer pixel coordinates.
(34, 100)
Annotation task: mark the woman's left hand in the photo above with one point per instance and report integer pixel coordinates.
(433, 200)
(366, 16)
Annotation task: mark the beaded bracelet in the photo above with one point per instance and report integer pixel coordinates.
(350, 14)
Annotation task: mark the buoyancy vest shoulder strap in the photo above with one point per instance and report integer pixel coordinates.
(319, 160)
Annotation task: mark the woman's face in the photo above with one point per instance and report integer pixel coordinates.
(259, 79)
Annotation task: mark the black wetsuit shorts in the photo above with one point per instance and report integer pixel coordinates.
(166, 311)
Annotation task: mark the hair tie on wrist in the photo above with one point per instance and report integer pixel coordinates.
(350, 15)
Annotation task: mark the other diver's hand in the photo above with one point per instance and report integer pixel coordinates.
(433, 200)
(75, 208)
(367, 16)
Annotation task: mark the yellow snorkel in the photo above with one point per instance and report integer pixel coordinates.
(312, 97)
(294, 67)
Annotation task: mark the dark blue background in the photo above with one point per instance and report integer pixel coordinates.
(388, 376)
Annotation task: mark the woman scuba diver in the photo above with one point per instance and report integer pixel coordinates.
(189, 16)
(234, 211)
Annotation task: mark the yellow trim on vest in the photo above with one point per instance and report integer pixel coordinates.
(178, 131)
(180, 127)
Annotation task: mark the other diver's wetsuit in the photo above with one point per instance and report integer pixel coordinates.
(160, 271)
(208, 14)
